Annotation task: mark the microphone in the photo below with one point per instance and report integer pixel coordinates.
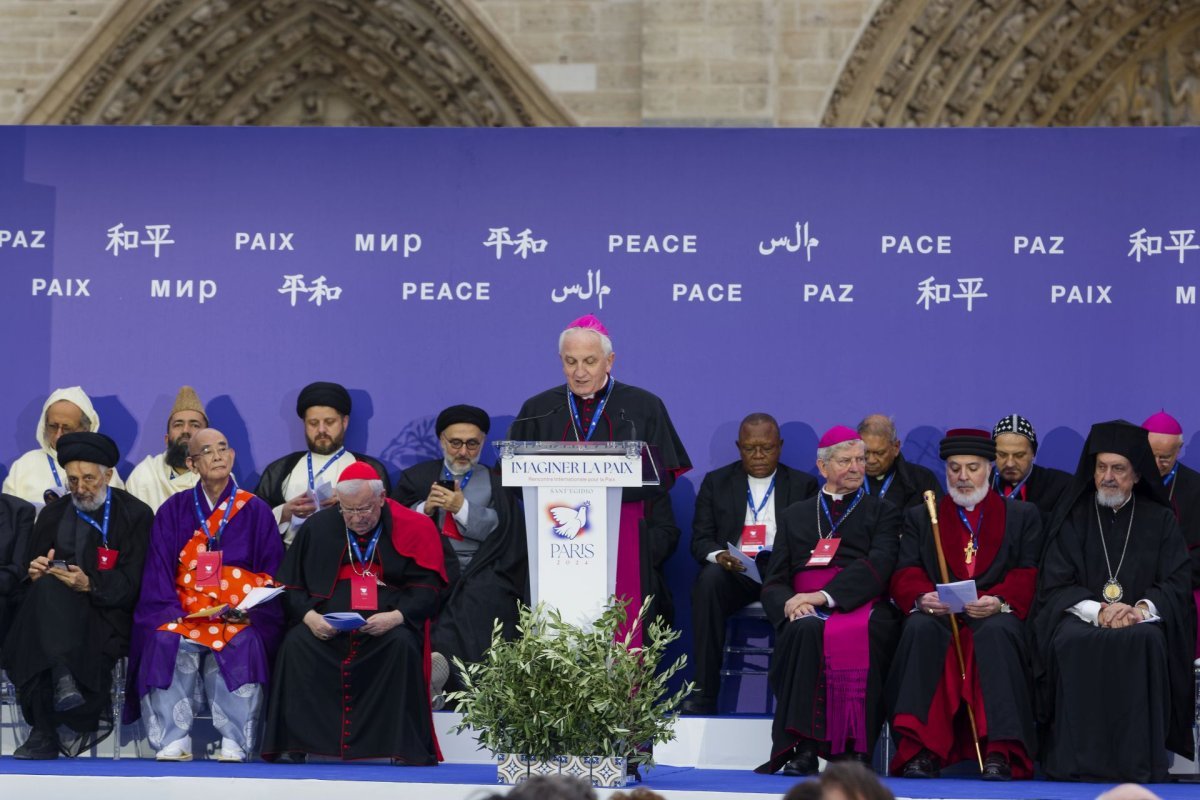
(632, 425)
(533, 417)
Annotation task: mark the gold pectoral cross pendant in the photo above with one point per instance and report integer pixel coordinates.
(969, 552)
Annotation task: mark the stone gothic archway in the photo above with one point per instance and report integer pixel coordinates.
(929, 63)
(288, 62)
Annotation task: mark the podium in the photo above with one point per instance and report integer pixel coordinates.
(572, 493)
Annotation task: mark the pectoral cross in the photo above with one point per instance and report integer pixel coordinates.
(969, 551)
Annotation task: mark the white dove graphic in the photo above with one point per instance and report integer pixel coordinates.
(570, 520)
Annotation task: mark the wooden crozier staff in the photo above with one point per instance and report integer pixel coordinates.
(931, 506)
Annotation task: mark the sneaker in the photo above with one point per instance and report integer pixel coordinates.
(439, 673)
(178, 750)
(231, 751)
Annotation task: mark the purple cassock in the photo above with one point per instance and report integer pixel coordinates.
(251, 541)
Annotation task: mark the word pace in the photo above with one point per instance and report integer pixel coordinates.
(247, 240)
(30, 240)
(572, 550)
(1086, 295)
(712, 293)
(918, 245)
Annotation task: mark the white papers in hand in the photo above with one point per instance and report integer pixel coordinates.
(957, 594)
(748, 562)
(259, 594)
(345, 620)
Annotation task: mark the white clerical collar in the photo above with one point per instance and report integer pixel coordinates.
(837, 497)
(598, 391)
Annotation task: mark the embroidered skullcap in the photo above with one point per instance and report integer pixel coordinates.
(358, 471)
(456, 414)
(323, 393)
(95, 448)
(1015, 423)
(967, 442)
(589, 322)
(836, 435)
(1162, 422)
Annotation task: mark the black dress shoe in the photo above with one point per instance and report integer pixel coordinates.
(40, 746)
(66, 693)
(996, 768)
(698, 707)
(923, 765)
(803, 763)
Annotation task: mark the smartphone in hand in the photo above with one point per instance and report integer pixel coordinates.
(447, 485)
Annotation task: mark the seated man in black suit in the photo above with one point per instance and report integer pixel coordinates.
(738, 505)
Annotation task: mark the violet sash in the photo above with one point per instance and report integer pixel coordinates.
(847, 657)
(629, 566)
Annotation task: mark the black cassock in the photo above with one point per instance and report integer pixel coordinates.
(1184, 494)
(84, 632)
(270, 484)
(1045, 487)
(630, 413)
(1116, 699)
(866, 557)
(357, 696)
(16, 528)
(494, 580)
(906, 484)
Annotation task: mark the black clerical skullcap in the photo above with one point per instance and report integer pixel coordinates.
(85, 446)
(1015, 423)
(323, 393)
(967, 442)
(456, 414)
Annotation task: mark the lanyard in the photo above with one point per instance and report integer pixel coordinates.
(887, 482)
(974, 533)
(355, 552)
(54, 472)
(103, 529)
(1015, 492)
(763, 504)
(858, 496)
(214, 540)
(578, 423)
(312, 481)
(1170, 476)
(463, 479)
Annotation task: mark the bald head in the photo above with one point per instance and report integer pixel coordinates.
(211, 457)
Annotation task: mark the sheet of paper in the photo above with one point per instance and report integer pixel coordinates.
(958, 594)
(259, 594)
(748, 562)
(345, 620)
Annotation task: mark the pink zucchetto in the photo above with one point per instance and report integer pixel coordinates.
(1162, 422)
(589, 322)
(836, 435)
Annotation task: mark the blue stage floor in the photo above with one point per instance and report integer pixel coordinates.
(663, 779)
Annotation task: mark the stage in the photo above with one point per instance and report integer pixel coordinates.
(712, 757)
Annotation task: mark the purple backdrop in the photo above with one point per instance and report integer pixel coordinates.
(790, 218)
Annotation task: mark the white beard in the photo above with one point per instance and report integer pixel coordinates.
(968, 499)
(1111, 498)
(89, 506)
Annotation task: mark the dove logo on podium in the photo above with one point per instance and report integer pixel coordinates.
(570, 521)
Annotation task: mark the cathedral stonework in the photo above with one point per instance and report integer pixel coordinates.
(309, 62)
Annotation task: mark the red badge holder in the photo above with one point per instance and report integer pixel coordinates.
(754, 539)
(824, 552)
(208, 569)
(364, 593)
(106, 559)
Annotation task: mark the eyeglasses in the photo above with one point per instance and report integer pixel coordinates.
(51, 427)
(209, 451)
(458, 444)
(356, 512)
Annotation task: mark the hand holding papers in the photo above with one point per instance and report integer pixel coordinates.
(747, 562)
(957, 595)
(345, 620)
(257, 595)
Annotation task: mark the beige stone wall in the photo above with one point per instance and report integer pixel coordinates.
(611, 62)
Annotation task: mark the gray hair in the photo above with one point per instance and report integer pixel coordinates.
(356, 485)
(605, 342)
(878, 425)
(827, 453)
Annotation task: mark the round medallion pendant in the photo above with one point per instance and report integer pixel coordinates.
(1112, 592)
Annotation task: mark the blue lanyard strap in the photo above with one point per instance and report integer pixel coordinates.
(1170, 476)
(312, 481)
(833, 526)
(887, 482)
(102, 528)
(356, 552)
(578, 423)
(763, 504)
(967, 524)
(463, 479)
(215, 540)
(54, 471)
(1015, 493)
